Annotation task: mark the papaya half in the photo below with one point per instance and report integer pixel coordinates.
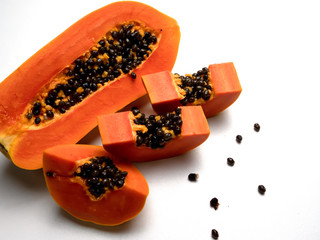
(135, 137)
(214, 88)
(93, 185)
(92, 68)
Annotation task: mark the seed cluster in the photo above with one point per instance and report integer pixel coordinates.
(101, 175)
(160, 128)
(119, 52)
(196, 86)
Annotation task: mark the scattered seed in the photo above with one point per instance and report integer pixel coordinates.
(256, 127)
(214, 202)
(193, 177)
(261, 189)
(214, 234)
(230, 161)
(239, 138)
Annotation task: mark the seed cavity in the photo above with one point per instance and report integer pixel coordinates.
(156, 130)
(118, 52)
(101, 175)
(194, 88)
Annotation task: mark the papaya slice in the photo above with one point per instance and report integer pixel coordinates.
(92, 68)
(135, 137)
(93, 185)
(214, 88)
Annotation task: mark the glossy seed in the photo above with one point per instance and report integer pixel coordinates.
(193, 177)
(238, 138)
(214, 203)
(133, 75)
(256, 127)
(261, 189)
(37, 120)
(214, 234)
(230, 161)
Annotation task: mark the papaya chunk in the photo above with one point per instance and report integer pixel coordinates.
(163, 136)
(92, 68)
(93, 185)
(214, 88)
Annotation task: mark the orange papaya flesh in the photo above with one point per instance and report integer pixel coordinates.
(214, 88)
(120, 134)
(56, 101)
(84, 181)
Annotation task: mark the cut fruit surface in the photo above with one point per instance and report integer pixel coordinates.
(136, 138)
(92, 68)
(93, 185)
(214, 88)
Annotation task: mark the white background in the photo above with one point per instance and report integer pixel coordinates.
(275, 48)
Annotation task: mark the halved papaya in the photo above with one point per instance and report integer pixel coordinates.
(135, 137)
(214, 88)
(93, 185)
(94, 67)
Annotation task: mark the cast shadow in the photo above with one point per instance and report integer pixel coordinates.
(23, 180)
(220, 123)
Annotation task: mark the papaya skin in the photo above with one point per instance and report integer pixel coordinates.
(118, 138)
(114, 208)
(24, 144)
(226, 88)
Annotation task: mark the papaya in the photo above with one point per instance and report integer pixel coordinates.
(94, 67)
(135, 137)
(93, 185)
(214, 88)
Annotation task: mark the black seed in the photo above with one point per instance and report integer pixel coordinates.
(37, 105)
(139, 140)
(36, 111)
(62, 110)
(50, 114)
(153, 39)
(256, 127)
(94, 53)
(37, 120)
(135, 110)
(119, 183)
(178, 110)
(102, 43)
(29, 116)
(206, 95)
(133, 75)
(261, 189)
(193, 177)
(238, 138)
(214, 203)
(177, 130)
(50, 174)
(167, 137)
(214, 234)
(230, 161)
